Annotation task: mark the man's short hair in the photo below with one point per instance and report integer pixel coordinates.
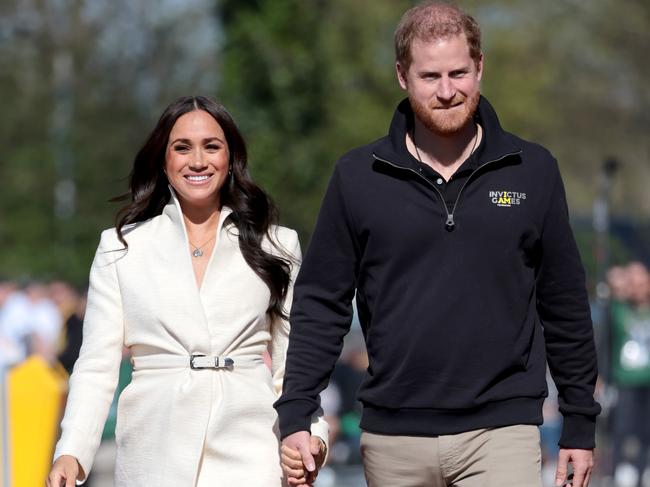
(430, 21)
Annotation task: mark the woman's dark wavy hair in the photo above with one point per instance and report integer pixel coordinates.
(253, 211)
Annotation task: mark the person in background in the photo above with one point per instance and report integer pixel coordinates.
(630, 372)
(347, 377)
(45, 322)
(454, 236)
(338, 400)
(12, 339)
(30, 322)
(71, 306)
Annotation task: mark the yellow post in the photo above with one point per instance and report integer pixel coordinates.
(4, 439)
(35, 391)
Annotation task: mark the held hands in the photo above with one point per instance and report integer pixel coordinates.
(302, 456)
(583, 463)
(64, 472)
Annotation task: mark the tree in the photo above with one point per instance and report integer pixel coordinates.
(82, 83)
(307, 81)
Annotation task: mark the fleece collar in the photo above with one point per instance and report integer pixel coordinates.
(496, 143)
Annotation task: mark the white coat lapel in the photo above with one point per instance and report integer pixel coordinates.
(173, 244)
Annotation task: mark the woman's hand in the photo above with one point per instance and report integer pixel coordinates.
(64, 472)
(292, 466)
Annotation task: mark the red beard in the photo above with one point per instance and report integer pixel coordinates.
(446, 122)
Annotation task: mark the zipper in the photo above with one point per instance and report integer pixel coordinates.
(449, 222)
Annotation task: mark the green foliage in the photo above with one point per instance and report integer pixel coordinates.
(309, 80)
(82, 84)
(619, 253)
(306, 81)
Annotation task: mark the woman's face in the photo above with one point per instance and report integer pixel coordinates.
(197, 158)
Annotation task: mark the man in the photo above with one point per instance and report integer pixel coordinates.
(630, 371)
(454, 235)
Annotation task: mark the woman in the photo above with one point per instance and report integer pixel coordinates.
(193, 280)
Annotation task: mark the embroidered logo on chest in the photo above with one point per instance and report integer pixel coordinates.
(507, 199)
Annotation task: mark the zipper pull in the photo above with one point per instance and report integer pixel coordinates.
(450, 224)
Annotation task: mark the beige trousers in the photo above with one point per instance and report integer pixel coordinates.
(493, 457)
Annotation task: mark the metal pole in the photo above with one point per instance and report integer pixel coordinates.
(61, 119)
(601, 223)
(65, 189)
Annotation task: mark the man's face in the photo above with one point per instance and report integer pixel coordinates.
(443, 83)
(639, 283)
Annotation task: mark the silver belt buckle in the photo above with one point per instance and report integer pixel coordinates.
(219, 363)
(197, 367)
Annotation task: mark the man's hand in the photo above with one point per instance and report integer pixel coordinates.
(583, 463)
(302, 455)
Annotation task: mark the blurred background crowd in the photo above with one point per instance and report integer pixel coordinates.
(40, 318)
(81, 82)
(44, 320)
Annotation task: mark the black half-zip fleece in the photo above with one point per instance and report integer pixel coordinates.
(461, 309)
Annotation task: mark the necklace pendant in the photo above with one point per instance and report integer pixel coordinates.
(197, 253)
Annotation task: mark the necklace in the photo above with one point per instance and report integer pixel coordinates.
(417, 152)
(197, 248)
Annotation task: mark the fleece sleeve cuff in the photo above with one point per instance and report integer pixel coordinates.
(295, 415)
(578, 432)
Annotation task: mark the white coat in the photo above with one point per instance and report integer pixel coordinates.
(177, 426)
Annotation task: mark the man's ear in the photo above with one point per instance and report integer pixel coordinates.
(479, 67)
(401, 75)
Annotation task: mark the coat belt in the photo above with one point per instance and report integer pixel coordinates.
(194, 361)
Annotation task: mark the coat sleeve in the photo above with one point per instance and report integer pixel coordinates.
(280, 329)
(95, 375)
(563, 308)
(321, 313)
